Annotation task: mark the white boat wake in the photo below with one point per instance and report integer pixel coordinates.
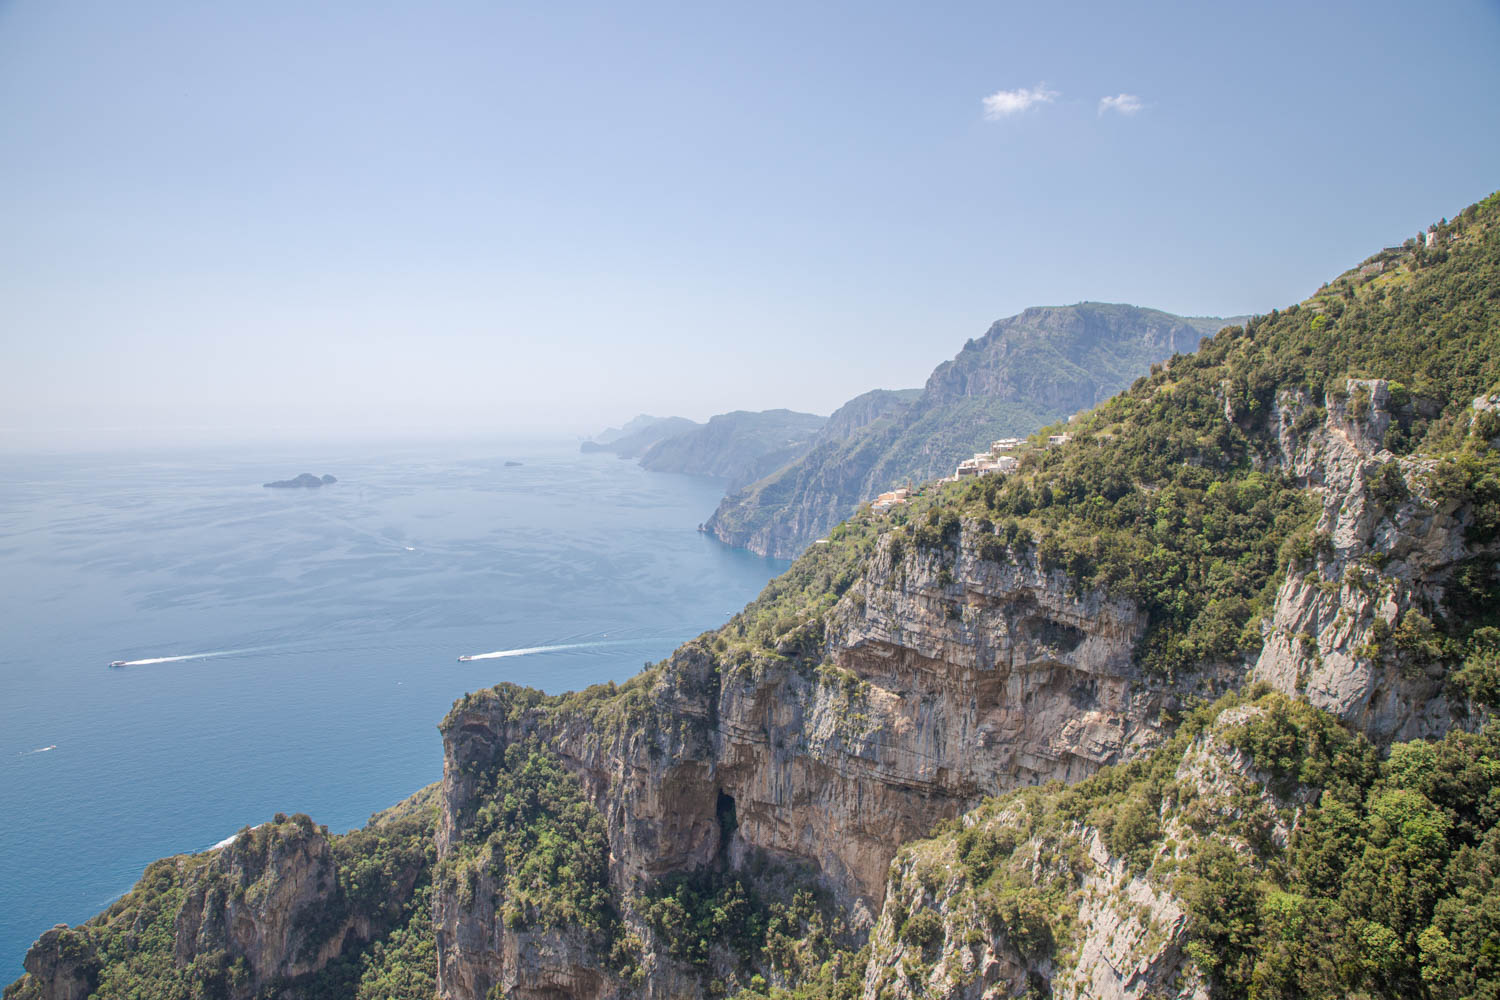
(28, 753)
(501, 654)
(149, 661)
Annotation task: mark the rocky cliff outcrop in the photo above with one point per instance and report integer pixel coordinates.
(1352, 628)
(62, 965)
(1018, 898)
(264, 913)
(939, 678)
(266, 899)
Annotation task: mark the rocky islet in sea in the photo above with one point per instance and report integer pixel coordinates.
(305, 481)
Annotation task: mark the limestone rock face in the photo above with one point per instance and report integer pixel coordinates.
(1385, 551)
(949, 682)
(60, 966)
(286, 879)
(1128, 936)
(478, 953)
(653, 784)
(935, 681)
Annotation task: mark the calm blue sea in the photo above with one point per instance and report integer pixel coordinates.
(306, 640)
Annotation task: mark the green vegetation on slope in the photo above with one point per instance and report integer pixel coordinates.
(402, 963)
(401, 966)
(787, 929)
(535, 838)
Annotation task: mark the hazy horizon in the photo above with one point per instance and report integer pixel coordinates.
(116, 436)
(284, 223)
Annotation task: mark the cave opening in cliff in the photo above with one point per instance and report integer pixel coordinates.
(728, 820)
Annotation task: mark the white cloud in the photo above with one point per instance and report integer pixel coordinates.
(1125, 104)
(1004, 103)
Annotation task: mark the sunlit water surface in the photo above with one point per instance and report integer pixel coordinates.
(294, 650)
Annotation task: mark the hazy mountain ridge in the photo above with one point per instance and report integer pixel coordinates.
(738, 447)
(1310, 503)
(637, 436)
(1025, 372)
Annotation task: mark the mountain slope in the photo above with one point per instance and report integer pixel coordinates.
(1027, 371)
(997, 634)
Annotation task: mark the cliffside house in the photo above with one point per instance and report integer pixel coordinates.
(886, 501)
(985, 463)
(1053, 440)
(971, 467)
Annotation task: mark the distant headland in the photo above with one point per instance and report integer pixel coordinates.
(307, 479)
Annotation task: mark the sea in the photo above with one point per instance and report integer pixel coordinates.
(293, 650)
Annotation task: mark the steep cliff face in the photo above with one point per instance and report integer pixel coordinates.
(645, 772)
(1263, 851)
(1025, 372)
(864, 410)
(1267, 849)
(938, 678)
(1017, 896)
(286, 881)
(62, 965)
(1352, 629)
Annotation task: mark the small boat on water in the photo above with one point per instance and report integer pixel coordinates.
(118, 663)
(465, 659)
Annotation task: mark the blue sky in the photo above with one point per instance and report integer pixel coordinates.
(288, 219)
